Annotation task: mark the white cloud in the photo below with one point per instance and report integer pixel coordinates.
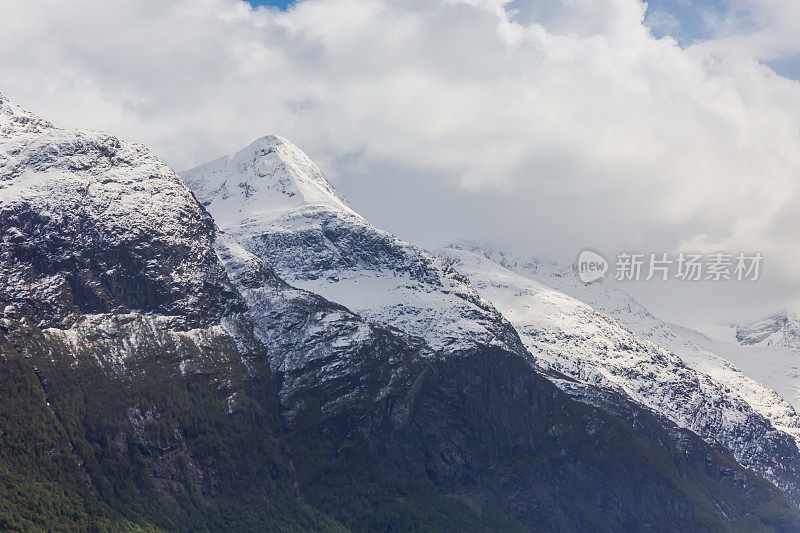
(547, 126)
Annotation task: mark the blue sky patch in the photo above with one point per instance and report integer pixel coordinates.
(281, 4)
(687, 21)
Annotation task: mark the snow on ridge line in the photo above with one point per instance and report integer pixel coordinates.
(17, 123)
(262, 182)
(77, 197)
(277, 204)
(62, 170)
(568, 336)
(778, 330)
(634, 316)
(630, 315)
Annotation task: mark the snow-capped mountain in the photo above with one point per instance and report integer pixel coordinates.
(756, 360)
(776, 366)
(134, 314)
(105, 226)
(157, 374)
(97, 233)
(631, 351)
(276, 203)
(765, 377)
(781, 331)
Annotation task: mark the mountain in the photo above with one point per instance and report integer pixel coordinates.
(755, 370)
(734, 366)
(770, 361)
(767, 349)
(135, 393)
(277, 204)
(157, 374)
(273, 200)
(781, 330)
(765, 373)
(616, 343)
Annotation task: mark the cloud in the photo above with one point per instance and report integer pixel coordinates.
(663, 22)
(543, 126)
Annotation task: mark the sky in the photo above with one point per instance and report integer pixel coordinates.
(542, 127)
(280, 4)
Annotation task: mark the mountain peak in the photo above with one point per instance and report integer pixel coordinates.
(71, 200)
(262, 182)
(276, 203)
(780, 329)
(16, 120)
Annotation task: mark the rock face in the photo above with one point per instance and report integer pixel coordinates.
(92, 224)
(637, 355)
(155, 373)
(277, 204)
(315, 346)
(116, 304)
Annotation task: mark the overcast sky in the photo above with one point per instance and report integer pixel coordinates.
(540, 126)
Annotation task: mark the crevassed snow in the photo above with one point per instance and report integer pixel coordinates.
(780, 331)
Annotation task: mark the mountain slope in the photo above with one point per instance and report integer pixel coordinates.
(776, 366)
(733, 367)
(114, 298)
(781, 331)
(767, 349)
(698, 391)
(183, 385)
(65, 194)
(275, 202)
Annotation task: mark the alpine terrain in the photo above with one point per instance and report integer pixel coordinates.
(601, 335)
(286, 366)
(767, 349)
